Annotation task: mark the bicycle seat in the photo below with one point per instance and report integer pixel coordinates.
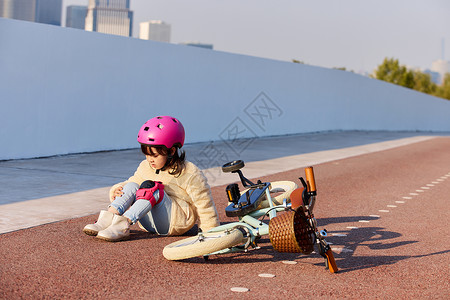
(248, 202)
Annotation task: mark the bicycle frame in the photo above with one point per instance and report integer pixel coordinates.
(253, 227)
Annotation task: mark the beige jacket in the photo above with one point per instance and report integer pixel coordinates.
(190, 194)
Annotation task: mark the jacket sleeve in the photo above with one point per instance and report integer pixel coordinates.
(200, 193)
(137, 178)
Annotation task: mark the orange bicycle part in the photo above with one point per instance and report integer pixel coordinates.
(331, 262)
(297, 198)
(310, 179)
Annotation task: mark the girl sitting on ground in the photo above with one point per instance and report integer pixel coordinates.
(166, 194)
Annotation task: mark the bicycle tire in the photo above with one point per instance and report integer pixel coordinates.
(193, 247)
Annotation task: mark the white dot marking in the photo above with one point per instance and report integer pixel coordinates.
(239, 289)
(266, 275)
(341, 249)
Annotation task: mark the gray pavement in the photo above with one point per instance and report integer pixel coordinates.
(42, 190)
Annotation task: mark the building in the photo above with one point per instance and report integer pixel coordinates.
(435, 76)
(76, 16)
(109, 16)
(441, 66)
(49, 11)
(155, 31)
(197, 44)
(40, 11)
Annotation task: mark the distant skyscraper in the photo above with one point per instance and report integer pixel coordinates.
(109, 16)
(155, 31)
(49, 11)
(441, 66)
(76, 16)
(41, 11)
(24, 10)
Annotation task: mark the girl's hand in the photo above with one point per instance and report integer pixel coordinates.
(117, 192)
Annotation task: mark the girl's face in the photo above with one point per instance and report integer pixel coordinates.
(156, 160)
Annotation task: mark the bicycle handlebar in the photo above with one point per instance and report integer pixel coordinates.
(309, 171)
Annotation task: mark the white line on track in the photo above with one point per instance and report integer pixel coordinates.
(239, 289)
(339, 234)
(339, 249)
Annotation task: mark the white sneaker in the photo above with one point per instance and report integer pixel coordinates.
(119, 230)
(104, 220)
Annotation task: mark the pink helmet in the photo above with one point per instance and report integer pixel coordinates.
(163, 130)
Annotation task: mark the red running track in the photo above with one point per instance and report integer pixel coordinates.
(399, 250)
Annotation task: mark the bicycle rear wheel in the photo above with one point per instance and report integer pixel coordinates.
(209, 243)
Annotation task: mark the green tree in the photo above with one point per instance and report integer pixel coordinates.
(391, 71)
(443, 90)
(423, 83)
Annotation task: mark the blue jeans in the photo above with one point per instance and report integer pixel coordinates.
(155, 220)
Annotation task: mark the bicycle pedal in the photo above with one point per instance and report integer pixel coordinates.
(253, 248)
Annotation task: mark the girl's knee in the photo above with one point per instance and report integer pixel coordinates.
(130, 187)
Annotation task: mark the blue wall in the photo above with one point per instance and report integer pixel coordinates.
(65, 90)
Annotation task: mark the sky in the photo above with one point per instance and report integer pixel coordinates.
(354, 34)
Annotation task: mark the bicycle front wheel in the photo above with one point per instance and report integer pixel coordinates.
(199, 246)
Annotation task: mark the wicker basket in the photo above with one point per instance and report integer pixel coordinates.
(291, 232)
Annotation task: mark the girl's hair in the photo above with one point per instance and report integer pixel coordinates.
(175, 163)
